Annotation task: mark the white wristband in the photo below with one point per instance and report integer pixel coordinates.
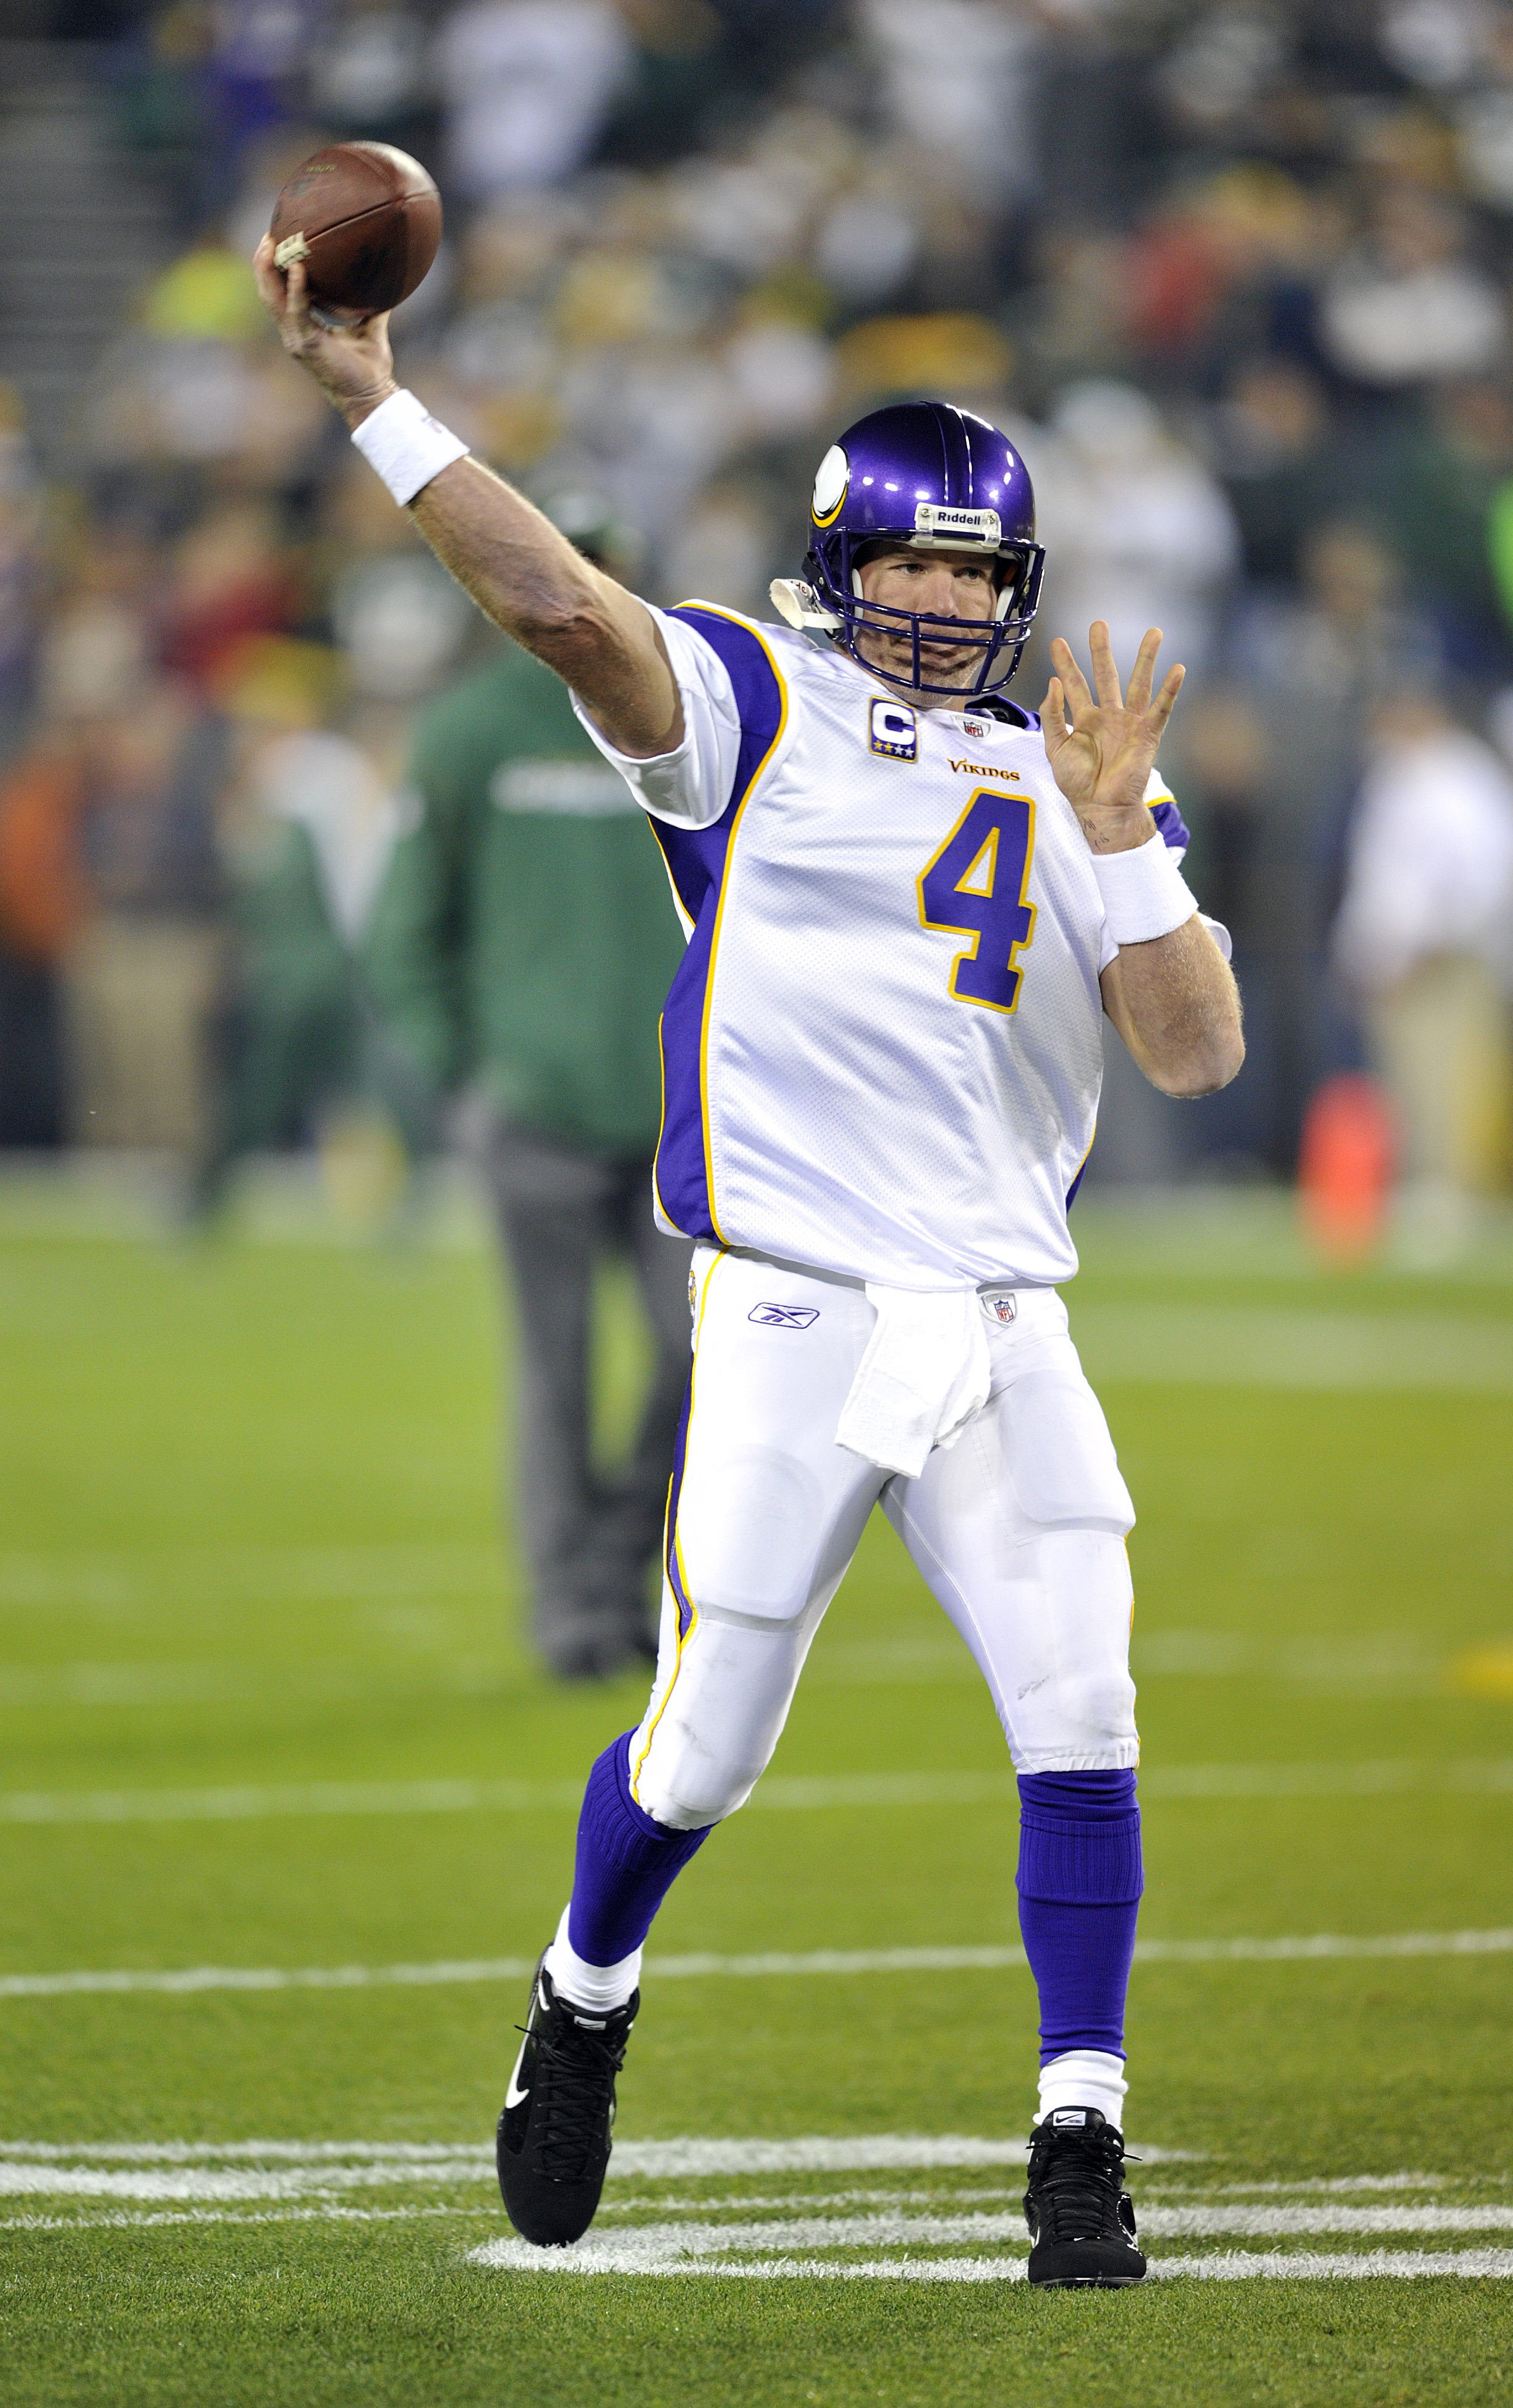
(1144, 892)
(406, 445)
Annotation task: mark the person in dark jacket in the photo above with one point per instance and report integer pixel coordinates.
(520, 949)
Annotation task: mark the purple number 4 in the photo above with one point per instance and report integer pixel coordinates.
(978, 884)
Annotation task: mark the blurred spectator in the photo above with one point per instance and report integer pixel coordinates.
(229, 580)
(108, 874)
(20, 568)
(1437, 484)
(519, 953)
(201, 380)
(1281, 751)
(308, 818)
(370, 74)
(958, 79)
(1138, 533)
(527, 85)
(1408, 305)
(1425, 939)
(1277, 455)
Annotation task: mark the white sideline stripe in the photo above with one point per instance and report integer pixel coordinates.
(34, 2181)
(126, 2221)
(726, 2249)
(298, 2152)
(776, 1794)
(1234, 2266)
(683, 2158)
(35, 2170)
(661, 2248)
(1199, 2220)
(776, 1962)
(1228, 2266)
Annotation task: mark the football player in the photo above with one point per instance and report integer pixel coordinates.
(908, 903)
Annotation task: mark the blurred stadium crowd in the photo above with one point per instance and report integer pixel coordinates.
(1239, 274)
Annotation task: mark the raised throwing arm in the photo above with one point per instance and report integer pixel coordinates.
(519, 571)
(1172, 997)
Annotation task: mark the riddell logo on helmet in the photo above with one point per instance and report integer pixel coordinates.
(938, 523)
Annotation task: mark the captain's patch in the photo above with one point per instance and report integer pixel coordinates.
(894, 731)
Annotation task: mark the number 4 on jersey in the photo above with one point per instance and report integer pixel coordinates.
(978, 884)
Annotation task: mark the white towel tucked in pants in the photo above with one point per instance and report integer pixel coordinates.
(924, 1374)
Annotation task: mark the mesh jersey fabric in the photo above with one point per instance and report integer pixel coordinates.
(882, 1051)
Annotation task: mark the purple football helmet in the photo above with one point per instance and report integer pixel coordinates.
(928, 475)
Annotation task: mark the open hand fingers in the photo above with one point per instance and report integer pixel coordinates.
(1161, 709)
(1053, 717)
(1105, 671)
(1077, 691)
(1142, 676)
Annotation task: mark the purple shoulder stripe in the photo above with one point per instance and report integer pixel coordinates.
(759, 694)
(1169, 820)
(695, 858)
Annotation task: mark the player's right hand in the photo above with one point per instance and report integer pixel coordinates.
(352, 365)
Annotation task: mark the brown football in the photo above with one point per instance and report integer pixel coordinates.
(365, 218)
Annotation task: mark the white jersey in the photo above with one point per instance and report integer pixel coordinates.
(882, 1050)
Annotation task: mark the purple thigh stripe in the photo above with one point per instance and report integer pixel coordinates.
(675, 1579)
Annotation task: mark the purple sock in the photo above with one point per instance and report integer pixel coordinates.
(1079, 1882)
(626, 1863)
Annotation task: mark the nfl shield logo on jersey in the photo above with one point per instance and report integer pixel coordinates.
(894, 731)
(999, 1303)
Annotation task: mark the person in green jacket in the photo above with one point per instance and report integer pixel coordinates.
(519, 951)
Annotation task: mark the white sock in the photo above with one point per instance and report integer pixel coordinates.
(1083, 2077)
(598, 1987)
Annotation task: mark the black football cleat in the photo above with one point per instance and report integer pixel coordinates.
(1081, 2218)
(553, 2143)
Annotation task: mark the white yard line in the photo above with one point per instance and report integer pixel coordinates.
(776, 1794)
(726, 2249)
(777, 1963)
(127, 2220)
(887, 2227)
(1234, 2266)
(909, 2236)
(1229, 2266)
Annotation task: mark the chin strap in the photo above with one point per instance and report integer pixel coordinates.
(800, 606)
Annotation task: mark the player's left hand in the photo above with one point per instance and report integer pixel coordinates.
(1103, 762)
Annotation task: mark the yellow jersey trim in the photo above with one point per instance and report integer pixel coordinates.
(671, 1536)
(746, 793)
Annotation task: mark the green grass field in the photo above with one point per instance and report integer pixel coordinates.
(267, 1725)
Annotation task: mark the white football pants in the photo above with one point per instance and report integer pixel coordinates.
(1018, 1528)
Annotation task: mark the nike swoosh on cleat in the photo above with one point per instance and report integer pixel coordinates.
(514, 2095)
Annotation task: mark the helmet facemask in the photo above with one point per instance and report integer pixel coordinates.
(834, 567)
(923, 476)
